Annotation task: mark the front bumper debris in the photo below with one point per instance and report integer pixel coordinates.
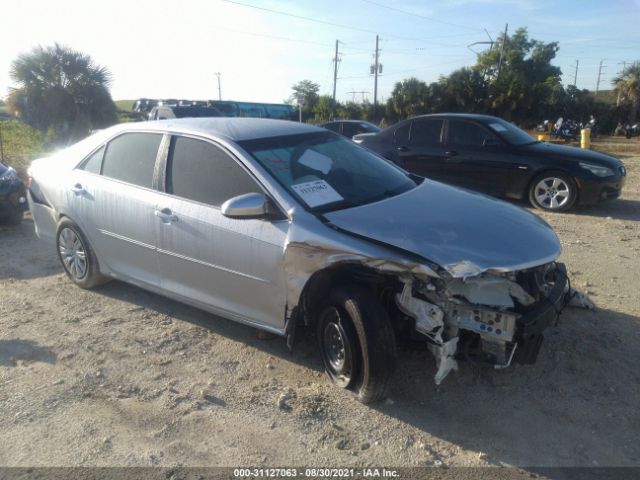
(504, 324)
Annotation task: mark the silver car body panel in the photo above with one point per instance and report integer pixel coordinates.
(464, 232)
(255, 271)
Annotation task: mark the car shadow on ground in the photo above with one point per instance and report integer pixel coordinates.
(303, 353)
(570, 408)
(619, 209)
(23, 257)
(15, 352)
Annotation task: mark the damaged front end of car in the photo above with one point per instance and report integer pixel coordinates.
(492, 318)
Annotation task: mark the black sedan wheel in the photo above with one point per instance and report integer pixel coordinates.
(357, 343)
(553, 191)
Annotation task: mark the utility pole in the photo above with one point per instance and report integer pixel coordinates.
(335, 76)
(504, 41)
(219, 90)
(600, 67)
(375, 81)
(575, 76)
(353, 94)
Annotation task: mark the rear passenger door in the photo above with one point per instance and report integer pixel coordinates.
(421, 151)
(115, 200)
(231, 266)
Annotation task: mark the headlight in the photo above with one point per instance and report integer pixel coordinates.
(598, 170)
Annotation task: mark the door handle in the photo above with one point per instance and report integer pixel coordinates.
(402, 148)
(78, 189)
(166, 215)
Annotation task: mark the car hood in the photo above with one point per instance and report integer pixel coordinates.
(464, 232)
(571, 153)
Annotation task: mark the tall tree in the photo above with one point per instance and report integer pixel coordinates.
(61, 91)
(408, 98)
(309, 90)
(525, 81)
(627, 87)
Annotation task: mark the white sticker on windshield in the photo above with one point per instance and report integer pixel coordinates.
(497, 127)
(316, 193)
(316, 161)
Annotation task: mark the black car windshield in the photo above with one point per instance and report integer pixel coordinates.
(328, 172)
(510, 132)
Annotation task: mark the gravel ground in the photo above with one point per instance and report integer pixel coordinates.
(122, 377)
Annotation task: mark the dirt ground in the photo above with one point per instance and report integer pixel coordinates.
(122, 377)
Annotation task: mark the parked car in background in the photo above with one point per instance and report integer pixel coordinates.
(13, 196)
(490, 155)
(349, 128)
(164, 112)
(279, 224)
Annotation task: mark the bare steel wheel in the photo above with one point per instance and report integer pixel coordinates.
(337, 346)
(77, 258)
(357, 343)
(553, 191)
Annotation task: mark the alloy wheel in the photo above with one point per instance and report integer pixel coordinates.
(552, 193)
(72, 253)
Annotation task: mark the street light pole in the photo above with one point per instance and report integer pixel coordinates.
(219, 90)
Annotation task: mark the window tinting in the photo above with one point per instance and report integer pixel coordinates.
(468, 134)
(334, 126)
(94, 162)
(426, 132)
(131, 158)
(205, 173)
(401, 135)
(350, 129)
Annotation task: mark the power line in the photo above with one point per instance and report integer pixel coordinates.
(424, 17)
(333, 24)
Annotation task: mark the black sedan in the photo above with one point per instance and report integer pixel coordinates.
(349, 128)
(13, 197)
(490, 155)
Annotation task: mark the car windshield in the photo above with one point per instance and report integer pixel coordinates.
(326, 172)
(510, 132)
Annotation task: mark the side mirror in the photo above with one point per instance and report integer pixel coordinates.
(249, 205)
(490, 143)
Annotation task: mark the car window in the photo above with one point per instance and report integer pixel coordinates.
(351, 129)
(131, 157)
(426, 133)
(93, 164)
(468, 134)
(200, 171)
(327, 172)
(401, 135)
(334, 126)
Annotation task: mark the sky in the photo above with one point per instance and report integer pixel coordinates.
(260, 48)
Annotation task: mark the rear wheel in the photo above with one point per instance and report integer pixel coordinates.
(357, 343)
(553, 191)
(77, 257)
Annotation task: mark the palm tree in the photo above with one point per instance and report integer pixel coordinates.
(61, 91)
(627, 87)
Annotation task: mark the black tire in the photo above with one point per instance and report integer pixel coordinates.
(87, 277)
(355, 314)
(556, 183)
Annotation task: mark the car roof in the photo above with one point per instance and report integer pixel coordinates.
(469, 116)
(232, 128)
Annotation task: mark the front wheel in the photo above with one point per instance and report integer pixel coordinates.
(357, 343)
(553, 191)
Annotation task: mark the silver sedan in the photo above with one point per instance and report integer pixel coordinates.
(278, 224)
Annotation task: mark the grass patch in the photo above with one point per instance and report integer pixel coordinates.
(20, 143)
(124, 105)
